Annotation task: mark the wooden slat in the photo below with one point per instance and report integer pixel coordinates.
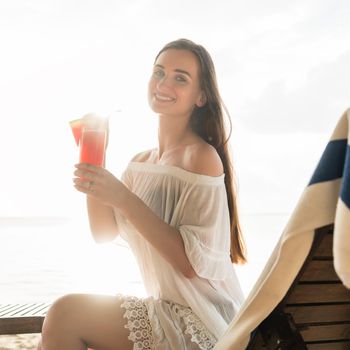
(21, 325)
(327, 332)
(319, 313)
(36, 310)
(319, 270)
(319, 293)
(324, 250)
(330, 346)
(11, 309)
(23, 309)
(22, 318)
(4, 308)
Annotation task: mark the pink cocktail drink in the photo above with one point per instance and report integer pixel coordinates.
(92, 146)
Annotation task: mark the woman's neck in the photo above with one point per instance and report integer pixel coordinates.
(173, 133)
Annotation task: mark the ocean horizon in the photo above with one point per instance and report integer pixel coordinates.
(43, 258)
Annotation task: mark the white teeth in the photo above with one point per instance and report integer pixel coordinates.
(163, 98)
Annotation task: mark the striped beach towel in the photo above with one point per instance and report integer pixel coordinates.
(324, 201)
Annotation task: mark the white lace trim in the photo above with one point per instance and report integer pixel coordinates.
(138, 323)
(196, 329)
(140, 328)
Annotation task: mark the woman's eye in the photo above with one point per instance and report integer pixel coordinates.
(158, 74)
(180, 79)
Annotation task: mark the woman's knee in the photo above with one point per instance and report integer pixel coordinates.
(96, 320)
(60, 313)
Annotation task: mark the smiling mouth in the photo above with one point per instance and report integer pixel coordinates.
(163, 98)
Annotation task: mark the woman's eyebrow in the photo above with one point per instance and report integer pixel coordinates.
(183, 72)
(176, 70)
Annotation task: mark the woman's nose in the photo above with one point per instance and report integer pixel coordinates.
(164, 83)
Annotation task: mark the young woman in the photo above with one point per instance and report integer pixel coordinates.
(175, 206)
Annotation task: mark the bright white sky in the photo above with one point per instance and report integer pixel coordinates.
(283, 70)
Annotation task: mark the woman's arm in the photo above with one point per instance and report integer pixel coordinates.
(109, 191)
(106, 192)
(165, 238)
(103, 226)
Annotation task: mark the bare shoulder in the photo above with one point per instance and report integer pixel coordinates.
(203, 159)
(143, 156)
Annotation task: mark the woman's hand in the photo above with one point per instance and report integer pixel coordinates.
(100, 184)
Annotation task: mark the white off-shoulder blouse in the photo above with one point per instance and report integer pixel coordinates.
(196, 205)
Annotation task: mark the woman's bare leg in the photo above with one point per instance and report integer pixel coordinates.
(79, 321)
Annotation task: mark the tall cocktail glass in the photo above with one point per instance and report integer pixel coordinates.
(93, 146)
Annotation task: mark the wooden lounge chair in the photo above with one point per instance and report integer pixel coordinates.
(22, 318)
(301, 300)
(315, 313)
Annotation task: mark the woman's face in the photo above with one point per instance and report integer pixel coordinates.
(174, 87)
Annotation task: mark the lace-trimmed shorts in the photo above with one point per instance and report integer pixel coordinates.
(164, 325)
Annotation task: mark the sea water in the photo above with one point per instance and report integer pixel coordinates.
(44, 258)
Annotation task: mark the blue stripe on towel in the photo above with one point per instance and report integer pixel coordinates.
(345, 187)
(331, 164)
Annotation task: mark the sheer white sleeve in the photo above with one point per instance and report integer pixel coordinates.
(204, 225)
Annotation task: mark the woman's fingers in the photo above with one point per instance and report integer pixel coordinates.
(88, 171)
(80, 188)
(82, 182)
(88, 176)
(84, 174)
(87, 187)
(99, 183)
(89, 167)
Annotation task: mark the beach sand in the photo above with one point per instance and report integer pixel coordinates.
(19, 342)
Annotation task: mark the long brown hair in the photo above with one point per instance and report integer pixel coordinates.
(208, 122)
